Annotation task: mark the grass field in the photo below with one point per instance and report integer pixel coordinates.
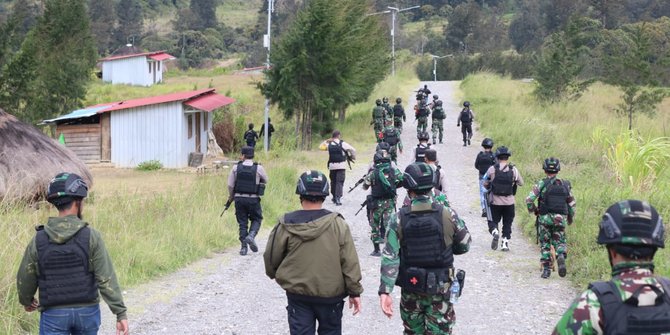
(604, 163)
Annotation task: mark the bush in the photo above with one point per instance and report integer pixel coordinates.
(151, 165)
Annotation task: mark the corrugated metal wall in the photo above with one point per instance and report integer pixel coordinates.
(205, 124)
(150, 132)
(132, 71)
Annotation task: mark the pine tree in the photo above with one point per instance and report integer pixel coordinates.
(102, 16)
(205, 12)
(129, 22)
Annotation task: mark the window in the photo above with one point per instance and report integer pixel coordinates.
(190, 125)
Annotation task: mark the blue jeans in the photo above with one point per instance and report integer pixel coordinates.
(70, 320)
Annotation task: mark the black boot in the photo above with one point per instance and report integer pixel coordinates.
(546, 271)
(338, 201)
(562, 271)
(376, 252)
(251, 242)
(243, 249)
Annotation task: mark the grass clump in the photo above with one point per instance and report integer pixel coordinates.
(150, 165)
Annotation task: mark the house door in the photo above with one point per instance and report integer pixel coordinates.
(198, 130)
(154, 65)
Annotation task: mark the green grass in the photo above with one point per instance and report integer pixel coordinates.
(239, 13)
(597, 156)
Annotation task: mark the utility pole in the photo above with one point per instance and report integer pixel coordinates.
(394, 12)
(266, 43)
(435, 58)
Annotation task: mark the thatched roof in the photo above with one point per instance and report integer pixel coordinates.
(29, 160)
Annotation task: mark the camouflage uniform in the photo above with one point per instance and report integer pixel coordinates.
(381, 209)
(584, 316)
(421, 121)
(398, 120)
(378, 117)
(437, 125)
(421, 313)
(394, 148)
(551, 226)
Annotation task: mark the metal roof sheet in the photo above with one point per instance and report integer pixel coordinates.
(161, 56)
(146, 54)
(181, 96)
(209, 102)
(79, 113)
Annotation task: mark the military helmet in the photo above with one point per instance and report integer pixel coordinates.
(503, 151)
(435, 97)
(466, 104)
(385, 99)
(378, 102)
(487, 143)
(312, 183)
(382, 156)
(551, 165)
(423, 136)
(383, 146)
(438, 103)
(66, 187)
(398, 100)
(632, 222)
(418, 176)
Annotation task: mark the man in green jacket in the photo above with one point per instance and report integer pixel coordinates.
(68, 262)
(311, 255)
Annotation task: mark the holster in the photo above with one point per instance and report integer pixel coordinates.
(261, 189)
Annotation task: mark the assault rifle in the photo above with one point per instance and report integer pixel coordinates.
(349, 158)
(363, 205)
(225, 208)
(360, 181)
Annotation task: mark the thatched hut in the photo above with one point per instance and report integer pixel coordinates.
(29, 159)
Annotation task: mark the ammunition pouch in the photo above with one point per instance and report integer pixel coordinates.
(261, 189)
(428, 281)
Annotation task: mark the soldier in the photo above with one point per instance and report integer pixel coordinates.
(339, 152)
(378, 116)
(68, 262)
(421, 113)
(556, 208)
(466, 117)
(424, 92)
(502, 180)
(391, 135)
(418, 256)
(387, 107)
(312, 256)
(246, 184)
(438, 117)
(485, 159)
(250, 136)
(635, 301)
(384, 179)
(271, 129)
(398, 114)
(420, 150)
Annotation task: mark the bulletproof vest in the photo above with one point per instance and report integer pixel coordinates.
(465, 116)
(391, 136)
(438, 113)
(336, 152)
(398, 111)
(503, 182)
(484, 161)
(554, 199)
(245, 181)
(378, 112)
(436, 184)
(383, 187)
(423, 111)
(64, 277)
(249, 136)
(423, 249)
(625, 317)
(420, 152)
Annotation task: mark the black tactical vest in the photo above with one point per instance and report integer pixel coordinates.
(420, 152)
(391, 136)
(466, 116)
(503, 182)
(554, 199)
(381, 190)
(625, 317)
(484, 161)
(422, 248)
(64, 277)
(245, 181)
(423, 111)
(398, 111)
(336, 152)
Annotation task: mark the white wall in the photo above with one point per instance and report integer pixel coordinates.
(132, 71)
(189, 143)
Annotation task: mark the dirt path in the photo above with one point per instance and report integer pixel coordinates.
(229, 294)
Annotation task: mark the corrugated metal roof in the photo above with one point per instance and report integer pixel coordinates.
(209, 102)
(161, 56)
(181, 96)
(79, 113)
(147, 54)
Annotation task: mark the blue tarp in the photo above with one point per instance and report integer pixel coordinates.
(79, 113)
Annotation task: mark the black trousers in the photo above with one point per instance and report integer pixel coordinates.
(248, 210)
(466, 129)
(302, 317)
(507, 215)
(337, 182)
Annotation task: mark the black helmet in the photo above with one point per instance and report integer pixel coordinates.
(382, 156)
(66, 187)
(383, 146)
(312, 183)
(487, 143)
(551, 165)
(435, 97)
(248, 152)
(423, 136)
(503, 151)
(632, 222)
(438, 103)
(398, 100)
(418, 176)
(466, 104)
(385, 99)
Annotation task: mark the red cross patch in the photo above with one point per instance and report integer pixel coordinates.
(413, 281)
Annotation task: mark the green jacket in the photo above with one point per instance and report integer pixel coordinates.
(314, 259)
(60, 230)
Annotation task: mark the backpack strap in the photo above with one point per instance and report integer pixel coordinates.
(609, 298)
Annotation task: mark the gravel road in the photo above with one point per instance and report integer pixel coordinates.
(230, 294)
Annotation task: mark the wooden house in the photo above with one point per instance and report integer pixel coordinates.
(166, 128)
(140, 69)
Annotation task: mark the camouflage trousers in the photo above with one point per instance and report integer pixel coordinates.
(426, 314)
(421, 124)
(379, 125)
(436, 127)
(383, 208)
(551, 231)
(397, 122)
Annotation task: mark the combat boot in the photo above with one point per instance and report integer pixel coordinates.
(376, 252)
(483, 213)
(465, 142)
(243, 249)
(562, 271)
(434, 141)
(546, 271)
(338, 201)
(494, 242)
(251, 242)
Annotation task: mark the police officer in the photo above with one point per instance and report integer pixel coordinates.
(398, 114)
(311, 254)
(68, 262)
(246, 185)
(465, 118)
(485, 159)
(635, 301)
(420, 150)
(556, 210)
(439, 115)
(418, 256)
(378, 116)
(338, 154)
(384, 179)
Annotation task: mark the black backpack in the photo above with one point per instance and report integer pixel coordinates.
(250, 136)
(484, 161)
(554, 199)
(438, 113)
(390, 136)
(466, 116)
(625, 317)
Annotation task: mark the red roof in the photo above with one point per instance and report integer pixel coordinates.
(209, 102)
(161, 56)
(158, 54)
(205, 99)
